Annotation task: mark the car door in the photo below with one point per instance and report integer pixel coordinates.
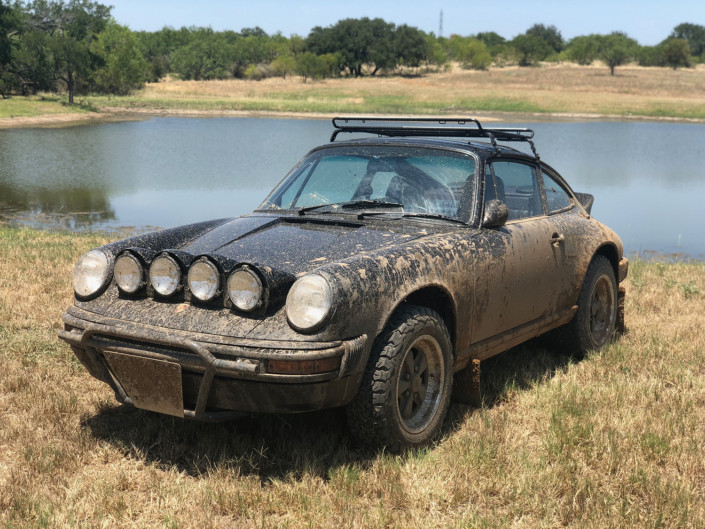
(513, 280)
(565, 220)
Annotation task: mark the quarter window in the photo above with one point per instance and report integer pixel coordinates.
(516, 185)
(557, 197)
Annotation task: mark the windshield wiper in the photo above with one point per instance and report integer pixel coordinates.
(433, 216)
(354, 204)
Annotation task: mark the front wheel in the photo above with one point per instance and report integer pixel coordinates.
(594, 324)
(406, 386)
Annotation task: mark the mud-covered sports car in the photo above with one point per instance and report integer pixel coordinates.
(377, 272)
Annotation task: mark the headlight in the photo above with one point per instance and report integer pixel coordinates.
(91, 273)
(165, 275)
(309, 302)
(245, 289)
(128, 273)
(204, 280)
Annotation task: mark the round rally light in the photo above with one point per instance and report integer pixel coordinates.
(308, 303)
(204, 280)
(245, 289)
(91, 273)
(165, 275)
(128, 273)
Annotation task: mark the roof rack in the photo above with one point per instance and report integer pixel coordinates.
(442, 128)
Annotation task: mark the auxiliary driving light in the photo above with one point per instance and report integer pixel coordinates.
(165, 275)
(91, 273)
(245, 289)
(204, 280)
(128, 273)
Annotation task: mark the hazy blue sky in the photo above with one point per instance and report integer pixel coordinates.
(649, 21)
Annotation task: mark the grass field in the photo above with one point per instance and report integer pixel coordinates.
(615, 440)
(24, 107)
(564, 89)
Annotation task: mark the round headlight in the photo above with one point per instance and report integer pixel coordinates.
(204, 280)
(165, 275)
(245, 289)
(91, 273)
(128, 273)
(309, 302)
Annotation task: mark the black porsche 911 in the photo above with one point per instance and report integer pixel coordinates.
(375, 274)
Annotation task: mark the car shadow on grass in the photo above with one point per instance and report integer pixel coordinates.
(518, 369)
(290, 446)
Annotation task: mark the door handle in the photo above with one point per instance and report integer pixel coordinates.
(557, 238)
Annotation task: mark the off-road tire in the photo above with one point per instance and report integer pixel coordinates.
(374, 415)
(576, 337)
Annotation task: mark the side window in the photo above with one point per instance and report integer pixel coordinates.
(557, 197)
(516, 185)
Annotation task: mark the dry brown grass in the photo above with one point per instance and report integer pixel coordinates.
(563, 88)
(615, 440)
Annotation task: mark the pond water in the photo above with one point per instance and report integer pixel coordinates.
(648, 179)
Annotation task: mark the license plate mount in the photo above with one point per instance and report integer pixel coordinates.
(153, 385)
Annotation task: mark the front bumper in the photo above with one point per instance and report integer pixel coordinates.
(221, 377)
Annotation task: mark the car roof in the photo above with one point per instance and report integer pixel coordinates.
(482, 149)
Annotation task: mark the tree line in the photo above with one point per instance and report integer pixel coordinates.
(75, 45)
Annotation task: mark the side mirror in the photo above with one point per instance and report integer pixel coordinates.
(496, 214)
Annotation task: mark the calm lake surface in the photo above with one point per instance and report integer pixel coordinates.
(648, 178)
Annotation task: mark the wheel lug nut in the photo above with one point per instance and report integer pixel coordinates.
(407, 376)
(416, 370)
(406, 393)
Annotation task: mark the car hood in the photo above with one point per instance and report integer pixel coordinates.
(299, 244)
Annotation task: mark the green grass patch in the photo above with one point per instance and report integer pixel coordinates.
(23, 107)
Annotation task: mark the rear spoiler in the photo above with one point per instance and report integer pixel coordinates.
(586, 200)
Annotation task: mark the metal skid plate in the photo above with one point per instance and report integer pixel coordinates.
(153, 385)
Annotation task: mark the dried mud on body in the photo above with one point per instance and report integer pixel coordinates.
(614, 440)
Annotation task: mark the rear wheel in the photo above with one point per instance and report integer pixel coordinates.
(406, 387)
(594, 325)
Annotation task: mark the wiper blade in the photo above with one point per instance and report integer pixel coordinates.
(371, 204)
(353, 204)
(433, 216)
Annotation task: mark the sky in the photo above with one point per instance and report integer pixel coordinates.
(649, 21)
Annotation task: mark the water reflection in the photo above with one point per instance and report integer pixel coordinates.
(647, 178)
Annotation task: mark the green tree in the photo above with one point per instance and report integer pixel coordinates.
(123, 66)
(284, 65)
(617, 49)
(157, 48)
(650, 56)
(206, 57)
(309, 65)
(66, 31)
(358, 41)
(10, 32)
(382, 52)
(435, 55)
(583, 50)
(531, 49)
(694, 34)
(549, 34)
(410, 46)
(473, 54)
(676, 52)
(297, 44)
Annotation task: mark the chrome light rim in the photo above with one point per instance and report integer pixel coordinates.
(237, 302)
(165, 288)
(212, 288)
(105, 276)
(122, 285)
(330, 309)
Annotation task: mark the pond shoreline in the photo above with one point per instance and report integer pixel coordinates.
(116, 114)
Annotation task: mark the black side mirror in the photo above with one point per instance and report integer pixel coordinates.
(496, 214)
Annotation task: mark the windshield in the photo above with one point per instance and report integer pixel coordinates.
(429, 181)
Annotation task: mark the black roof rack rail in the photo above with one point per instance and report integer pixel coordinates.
(395, 127)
